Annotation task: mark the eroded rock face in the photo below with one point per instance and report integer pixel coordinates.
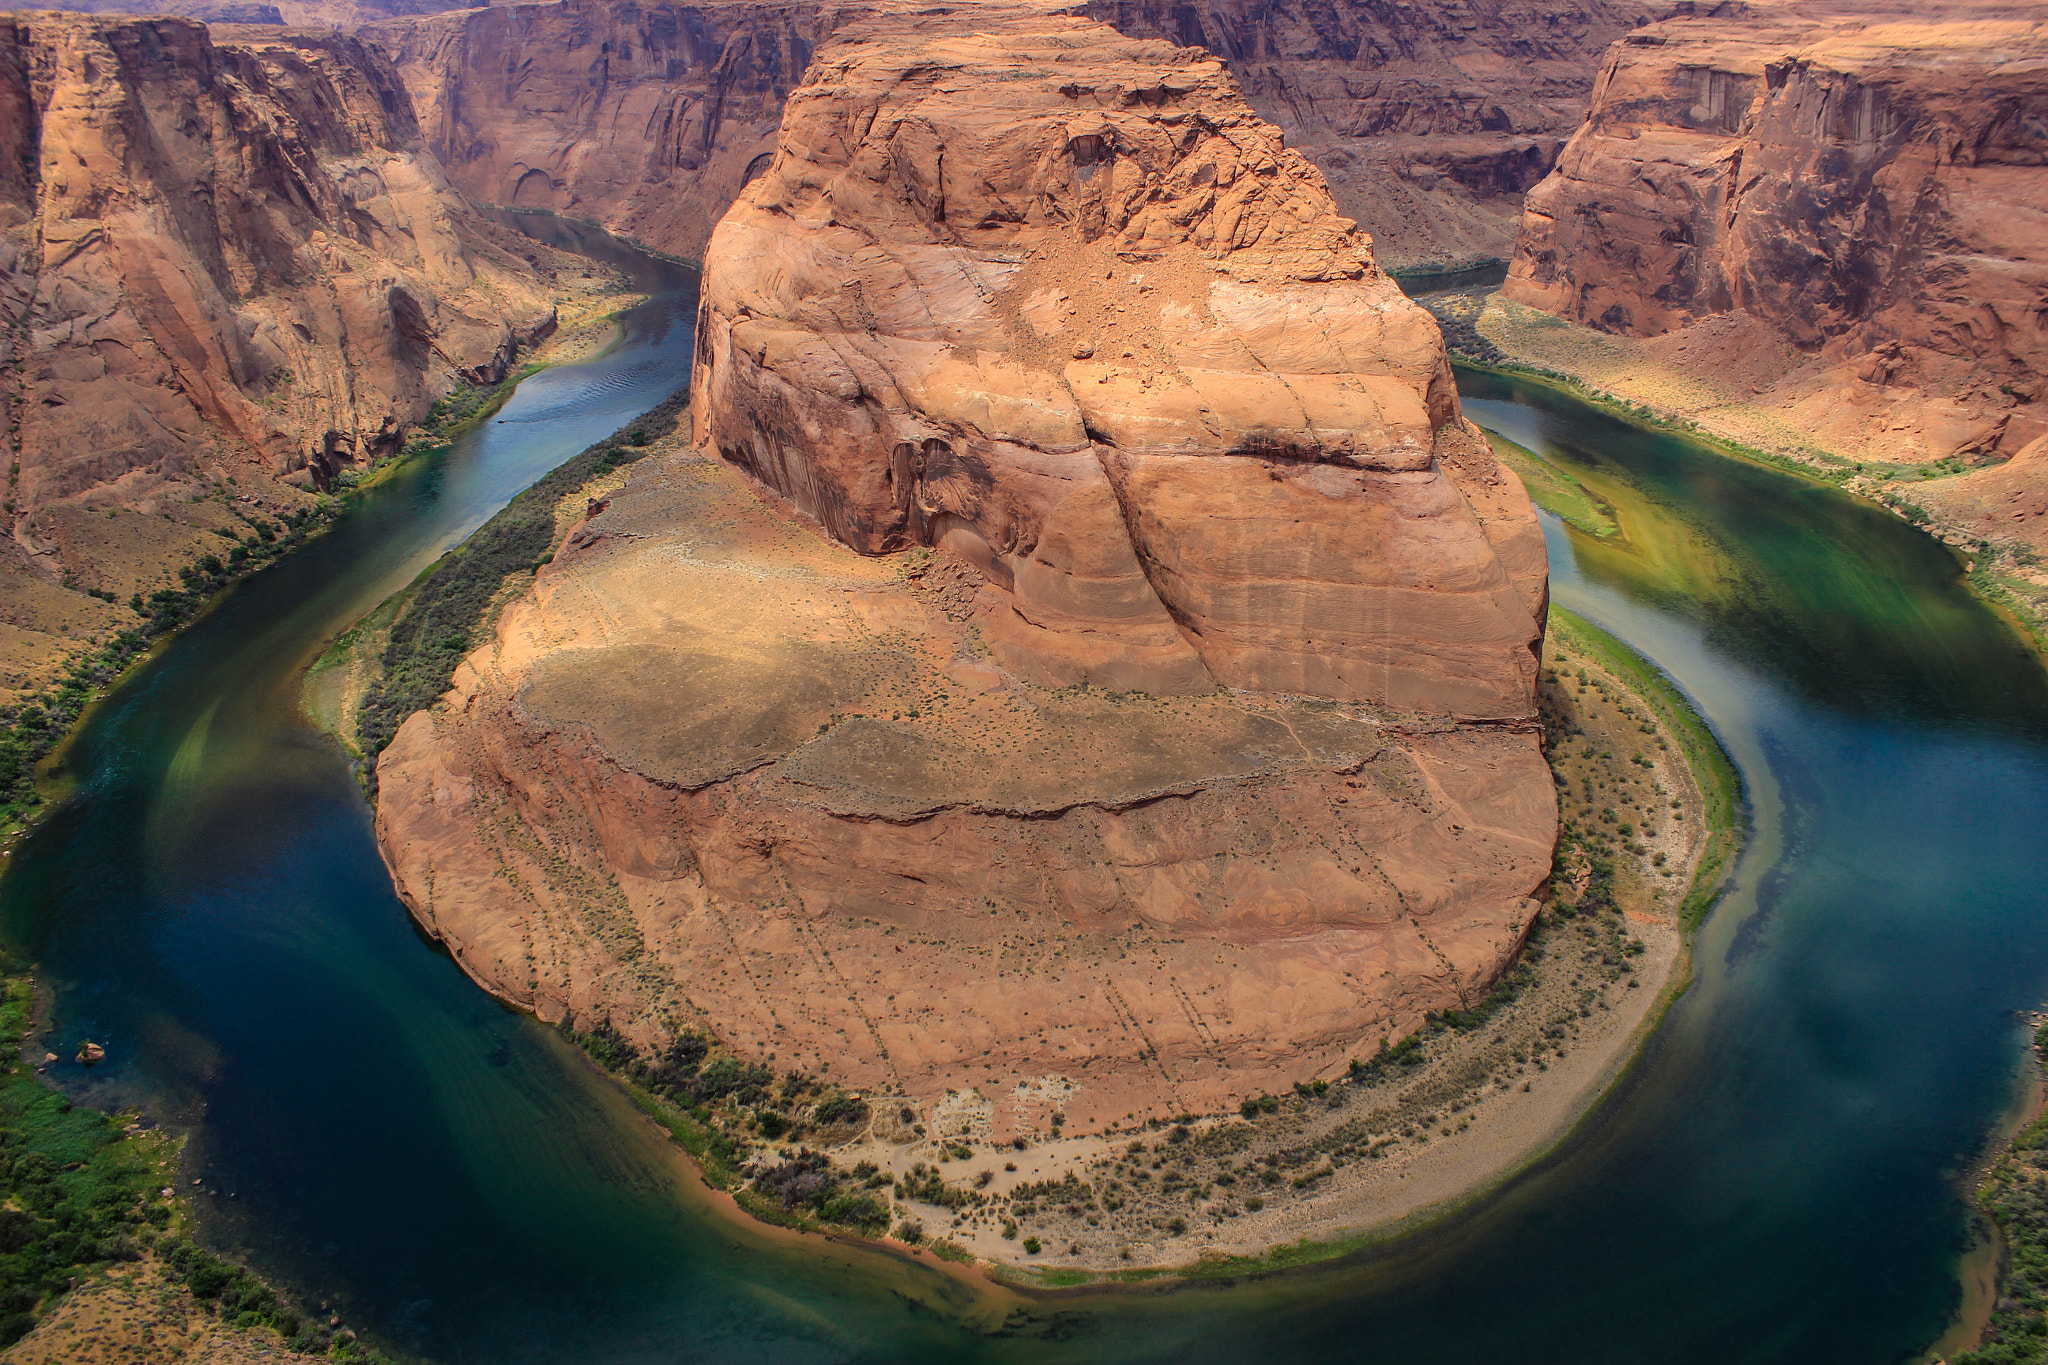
(1430, 121)
(225, 255)
(718, 772)
(1870, 184)
(645, 118)
(1034, 360)
(1056, 301)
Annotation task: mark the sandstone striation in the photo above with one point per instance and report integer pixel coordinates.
(222, 256)
(1107, 341)
(1429, 120)
(645, 118)
(228, 253)
(1866, 182)
(1097, 669)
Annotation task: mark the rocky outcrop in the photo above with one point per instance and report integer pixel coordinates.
(1430, 121)
(1867, 184)
(1108, 341)
(1099, 661)
(224, 255)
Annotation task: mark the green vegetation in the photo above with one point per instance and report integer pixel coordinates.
(1719, 783)
(31, 730)
(451, 602)
(2015, 1194)
(723, 1111)
(1556, 491)
(79, 1194)
(76, 1194)
(1993, 575)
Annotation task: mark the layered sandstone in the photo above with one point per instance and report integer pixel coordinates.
(225, 256)
(234, 255)
(1429, 120)
(1098, 663)
(1866, 182)
(1107, 340)
(646, 118)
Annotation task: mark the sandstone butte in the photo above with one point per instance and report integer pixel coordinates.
(1867, 182)
(221, 255)
(1429, 120)
(1088, 661)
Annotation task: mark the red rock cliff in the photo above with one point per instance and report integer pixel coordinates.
(222, 255)
(1870, 184)
(1430, 119)
(1106, 339)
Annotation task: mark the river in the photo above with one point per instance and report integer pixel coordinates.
(1776, 1182)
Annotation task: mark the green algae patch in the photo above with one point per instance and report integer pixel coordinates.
(1555, 490)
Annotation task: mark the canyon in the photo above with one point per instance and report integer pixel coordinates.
(229, 267)
(1429, 121)
(1083, 662)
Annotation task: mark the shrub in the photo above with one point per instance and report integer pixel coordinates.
(840, 1107)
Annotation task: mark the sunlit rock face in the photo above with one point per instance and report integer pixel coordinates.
(1057, 301)
(1868, 182)
(227, 252)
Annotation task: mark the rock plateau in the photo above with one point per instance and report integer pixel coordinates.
(1087, 663)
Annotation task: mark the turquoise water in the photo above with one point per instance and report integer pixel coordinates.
(1774, 1183)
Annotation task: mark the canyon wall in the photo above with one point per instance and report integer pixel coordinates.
(1868, 182)
(233, 254)
(1086, 663)
(645, 118)
(222, 256)
(1429, 120)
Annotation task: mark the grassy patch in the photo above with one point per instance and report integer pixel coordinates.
(1719, 783)
(2015, 1194)
(450, 602)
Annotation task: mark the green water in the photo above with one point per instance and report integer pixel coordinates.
(1775, 1183)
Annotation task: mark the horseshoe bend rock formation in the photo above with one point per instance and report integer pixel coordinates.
(1088, 660)
(1079, 317)
(1867, 181)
